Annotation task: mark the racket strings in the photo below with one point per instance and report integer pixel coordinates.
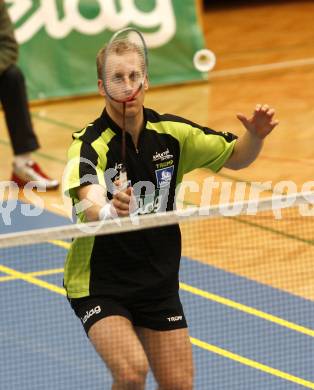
(125, 65)
(124, 73)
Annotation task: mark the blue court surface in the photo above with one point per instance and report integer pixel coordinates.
(245, 335)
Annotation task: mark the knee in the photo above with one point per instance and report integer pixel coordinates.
(13, 76)
(178, 381)
(131, 378)
(177, 385)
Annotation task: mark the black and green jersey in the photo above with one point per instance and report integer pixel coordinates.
(136, 265)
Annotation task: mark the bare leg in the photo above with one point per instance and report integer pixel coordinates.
(117, 343)
(170, 357)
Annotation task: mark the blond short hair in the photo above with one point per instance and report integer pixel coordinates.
(100, 61)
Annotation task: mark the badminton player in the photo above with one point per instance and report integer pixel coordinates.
(124, 287)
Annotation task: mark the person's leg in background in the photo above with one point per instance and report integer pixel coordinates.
(23, 139)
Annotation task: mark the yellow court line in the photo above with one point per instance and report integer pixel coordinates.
(195, 291)
(251, 363)
(232, 304)
(63, 244)
(37, 273)
(32, 280)
(185, 287)
(199, 343)
(247, 309)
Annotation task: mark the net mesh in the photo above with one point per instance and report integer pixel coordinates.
(246, 285)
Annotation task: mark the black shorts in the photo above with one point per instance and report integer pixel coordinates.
(163, 314)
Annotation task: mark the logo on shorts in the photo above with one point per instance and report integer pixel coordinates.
(174, 319)
(90, 313)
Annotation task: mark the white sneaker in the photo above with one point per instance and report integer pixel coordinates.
(31, 171)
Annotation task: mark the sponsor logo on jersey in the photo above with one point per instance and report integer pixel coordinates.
(90, 313)
(164, 176)
(164, 164)
(162, 156)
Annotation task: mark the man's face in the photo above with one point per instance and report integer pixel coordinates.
(124, 77)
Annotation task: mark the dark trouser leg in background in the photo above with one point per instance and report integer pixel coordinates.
(15, 105)
(23, 139)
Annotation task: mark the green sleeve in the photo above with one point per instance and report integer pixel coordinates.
(84, 167)
(200, 147)
(205, 148)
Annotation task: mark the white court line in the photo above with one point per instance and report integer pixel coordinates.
(260, 68)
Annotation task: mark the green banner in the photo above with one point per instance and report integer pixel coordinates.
(59, 40)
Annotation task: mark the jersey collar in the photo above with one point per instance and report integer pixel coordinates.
(108, 122)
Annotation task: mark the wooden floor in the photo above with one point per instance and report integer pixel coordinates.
(249, 42)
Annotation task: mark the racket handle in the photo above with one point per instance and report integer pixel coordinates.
(123, 180)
